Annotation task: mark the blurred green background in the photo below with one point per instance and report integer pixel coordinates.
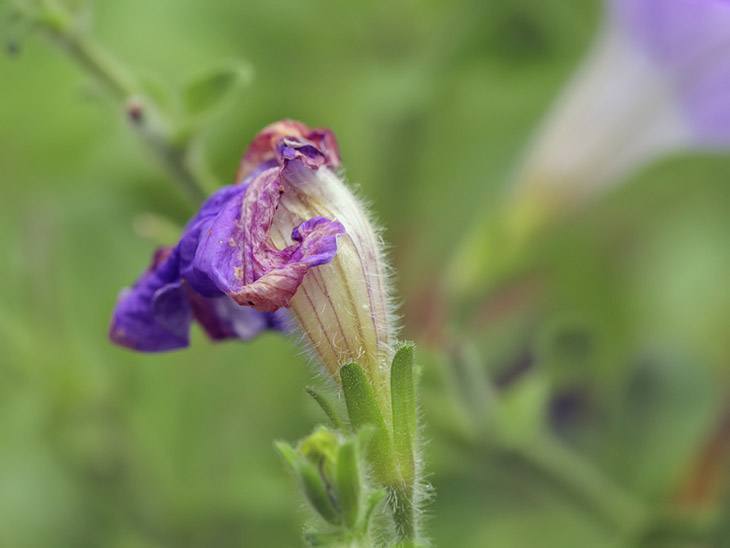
(433, 103)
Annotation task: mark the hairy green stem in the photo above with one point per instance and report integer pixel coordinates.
(179, 157)
(404, 517)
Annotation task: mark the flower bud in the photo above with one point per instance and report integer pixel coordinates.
(341, 307)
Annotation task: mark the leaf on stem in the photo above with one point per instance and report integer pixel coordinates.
(326, 407)
(207, 91)
(312, 482)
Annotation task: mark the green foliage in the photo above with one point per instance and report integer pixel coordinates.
(329, 469)
(326, 407)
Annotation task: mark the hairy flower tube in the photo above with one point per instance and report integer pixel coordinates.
(656, 81)
(288, 239)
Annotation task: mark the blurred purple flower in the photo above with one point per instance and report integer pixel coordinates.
(689, 40)
(656, 81)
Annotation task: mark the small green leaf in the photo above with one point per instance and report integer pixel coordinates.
(313, 484)
(402, 387)
(291, 457)
(210, 89)
(326, 407)
(316, 491)
(374, 499)
(158, 91)
(349, 482)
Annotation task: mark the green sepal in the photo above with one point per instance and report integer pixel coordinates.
(363, 410)
(313, 484)
(326, 407)
(316, 492)
(362, 407)
(289, 454)
(348, 481)
(402, 388)
(373, 500)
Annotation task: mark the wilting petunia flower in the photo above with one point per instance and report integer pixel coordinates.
(656, 81)
(289, 239)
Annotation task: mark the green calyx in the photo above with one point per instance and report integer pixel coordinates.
(331, 464)
(392, 439)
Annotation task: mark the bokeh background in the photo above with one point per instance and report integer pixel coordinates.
(433, 103)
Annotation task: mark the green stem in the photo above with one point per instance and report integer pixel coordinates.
(542, 451)
(570, 469)
(53, 19)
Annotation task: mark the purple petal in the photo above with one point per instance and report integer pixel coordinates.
(222, 318)
(190, 240)
(154, 314)
(318, 238)
(274, 288)
(236, 253)
(690, 39)
(264, 147)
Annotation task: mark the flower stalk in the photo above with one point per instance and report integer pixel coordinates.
(511, 424)
(181, 158)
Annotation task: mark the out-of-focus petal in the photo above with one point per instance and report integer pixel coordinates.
(222, 318)
(690, 42)
(153, 315)
(200, 225)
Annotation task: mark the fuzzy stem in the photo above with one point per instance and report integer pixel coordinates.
(404, 515)
(178, 158)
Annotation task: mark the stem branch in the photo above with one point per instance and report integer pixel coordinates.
(578, 475)
(154, 129)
